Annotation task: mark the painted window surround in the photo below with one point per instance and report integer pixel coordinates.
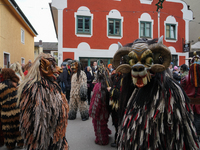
(114, 25)
(145, 17)
(83, 11)
(171, 20)
(114, 14)
(145, 36)
(8, 57)
(22, 36)
(174, 29)
(22, 60)
(83, 23)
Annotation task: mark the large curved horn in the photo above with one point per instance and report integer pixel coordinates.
(44, 65)
(162, 51)
(124, 68)
(119, 53)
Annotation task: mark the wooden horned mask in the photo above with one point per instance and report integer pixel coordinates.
(49, 68)
(142, 60)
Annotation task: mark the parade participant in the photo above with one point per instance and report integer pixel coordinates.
(9, 111)
(26, 68)
(68, 86)
(184, 70)
(114, 101)
(99, 110)
(191, 85)
(156, 112)
(176, 74)
(90, 77)
(1, 132)
(78, 93)
(44, 108)
(18, 70)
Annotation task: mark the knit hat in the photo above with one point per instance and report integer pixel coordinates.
(109, 65)
(175, 68)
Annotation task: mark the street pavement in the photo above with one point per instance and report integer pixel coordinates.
(80, 135)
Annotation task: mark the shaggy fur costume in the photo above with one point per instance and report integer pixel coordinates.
(114, 100)
(44, 108)
(75, 99)
(157, 116)
(100, 115)
(155, 111)
(10, 115)
(44, 112)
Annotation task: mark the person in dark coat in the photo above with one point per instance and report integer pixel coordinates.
(176, 74)
(90, 77)
(64, 80)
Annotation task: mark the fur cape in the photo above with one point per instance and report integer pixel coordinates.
(9, 115)
(156, 116)
(44, 113)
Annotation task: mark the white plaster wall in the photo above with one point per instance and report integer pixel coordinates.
(60, 5)
(84, 50)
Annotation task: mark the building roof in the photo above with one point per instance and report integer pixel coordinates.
(48, 45)
(196, 45)
(17, 8)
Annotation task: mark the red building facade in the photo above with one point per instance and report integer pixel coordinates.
(90, 29)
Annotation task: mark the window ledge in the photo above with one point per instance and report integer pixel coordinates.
(83, 35)
(114, 36)
(171, 40)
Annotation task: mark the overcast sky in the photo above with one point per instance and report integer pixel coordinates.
(39, 15)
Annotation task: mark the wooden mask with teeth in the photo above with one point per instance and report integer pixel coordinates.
(74, 67)
(49, 68)
(142, 59)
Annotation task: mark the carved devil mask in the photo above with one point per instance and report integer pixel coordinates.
(74, 67)
(49, 67)
(142, 60)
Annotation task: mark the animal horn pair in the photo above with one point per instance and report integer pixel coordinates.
(158, 49)
(163, 53)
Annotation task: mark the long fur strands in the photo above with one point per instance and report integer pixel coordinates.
(159, 119)
(33, 75)
(44, 113)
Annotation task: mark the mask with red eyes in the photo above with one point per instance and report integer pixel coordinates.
(49, 67)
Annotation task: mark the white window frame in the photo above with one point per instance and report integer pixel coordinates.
(146, 1)
(8, 57)
(114, 14)
(171, 20)
(145, 17)
(22, 60)
(22, 36)
(83, 11)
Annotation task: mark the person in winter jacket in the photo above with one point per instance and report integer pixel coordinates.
(90, 77)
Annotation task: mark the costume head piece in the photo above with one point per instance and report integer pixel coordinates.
(142, 58)
(43, 66)
(49, 67)
(102, 72)
(8, 73)
(75, 66)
